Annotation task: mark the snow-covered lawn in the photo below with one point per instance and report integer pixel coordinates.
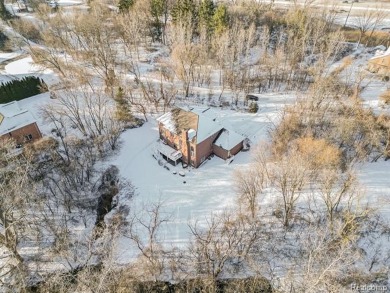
(8, 56)
(26, 67)
(202, 191)
(375, 180)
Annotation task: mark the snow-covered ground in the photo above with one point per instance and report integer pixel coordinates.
(209, 188)
(8, 56)
(19, 8)
(20, 68)
(202, 191)
(25, 67)
(374, 177)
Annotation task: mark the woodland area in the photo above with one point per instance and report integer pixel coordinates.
(299, 222)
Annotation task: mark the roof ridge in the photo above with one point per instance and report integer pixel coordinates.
(21, 112)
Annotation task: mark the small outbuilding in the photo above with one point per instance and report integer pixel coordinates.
(18, 124)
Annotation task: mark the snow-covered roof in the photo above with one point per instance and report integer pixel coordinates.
(381, 53)
(171, 153)
(206, 126)
(204, 122)
(228, 139)
(14, 117)
(167, 121)
(178, 119)
(204, 112)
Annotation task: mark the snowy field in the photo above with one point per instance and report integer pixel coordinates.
(8, 56)
(375, 181)
(19, 8)
(23, 67)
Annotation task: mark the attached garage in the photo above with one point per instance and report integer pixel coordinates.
(228, 144)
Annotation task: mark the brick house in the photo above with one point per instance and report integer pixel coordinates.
(191, 136)
(18, 124)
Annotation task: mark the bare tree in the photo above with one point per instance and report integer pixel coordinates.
(289, 175)
(160, 95)
(14, 208)
(369, 21)
(337, 188)
(224, 241)
(90, 111)
(249, 184)
(144, 229)
(185, 58)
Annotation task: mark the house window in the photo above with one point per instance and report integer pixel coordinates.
(192, 151)
(28, 137)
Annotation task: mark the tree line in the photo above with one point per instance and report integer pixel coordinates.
(19, 89)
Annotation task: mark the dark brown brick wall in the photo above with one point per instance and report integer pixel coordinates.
(223, 154)
(19, 134)
(204, 149)
(176, 141)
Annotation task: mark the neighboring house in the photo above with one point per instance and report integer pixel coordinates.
(380, 62)
(192, 136)
(18, 124)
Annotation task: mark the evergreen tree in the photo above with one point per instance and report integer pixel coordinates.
(206, 13)
(123, 108)
(253, 107)
(3, 40)
(4, 14)
(157, 9)
(184, 11)
(220, 19)
(21, 89)
(185, 14)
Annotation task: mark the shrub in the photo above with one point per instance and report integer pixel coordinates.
(318, 152)
(371, 40)
(327, 113)
(253, 107)
(3, 40)
(4, 14)
(27, 29)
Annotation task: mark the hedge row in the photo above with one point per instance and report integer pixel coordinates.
(16, 90)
